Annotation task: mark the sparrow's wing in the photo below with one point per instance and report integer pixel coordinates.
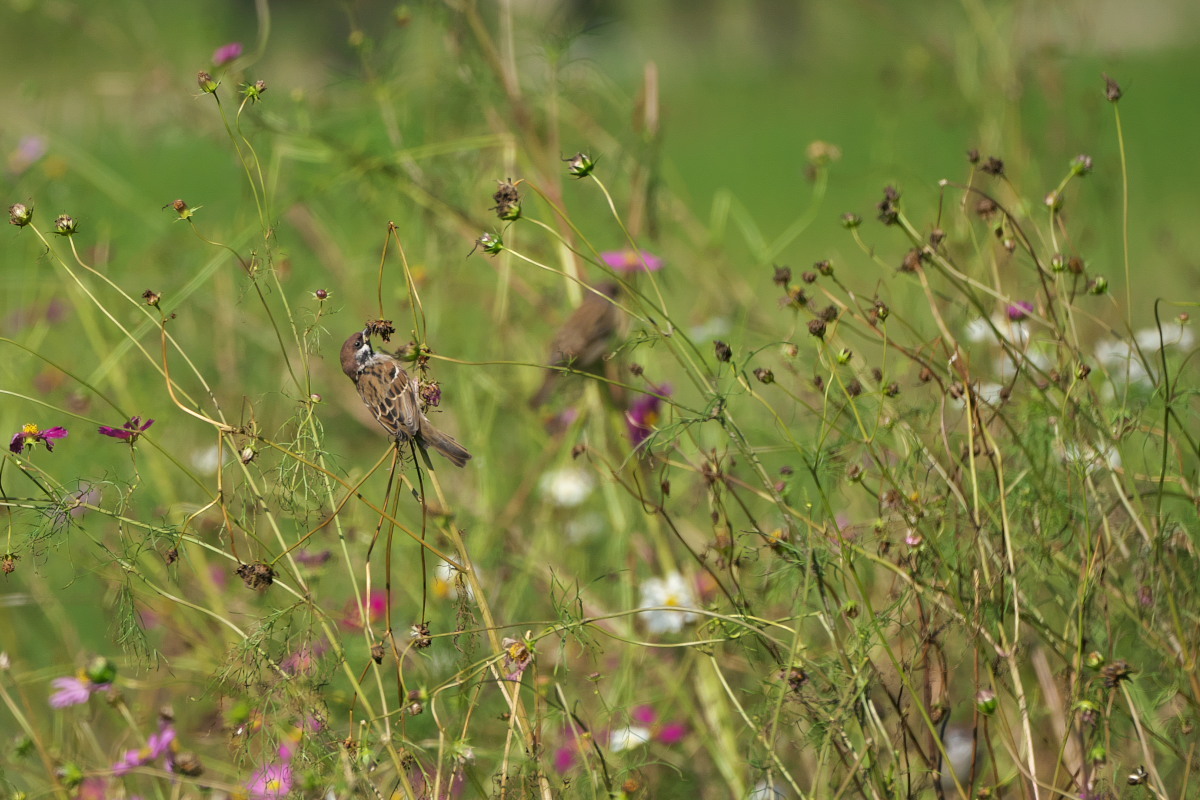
(392, 397)
(584, 337)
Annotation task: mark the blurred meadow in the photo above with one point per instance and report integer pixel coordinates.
(883, 486)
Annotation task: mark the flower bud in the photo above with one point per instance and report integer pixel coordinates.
(817, 328)
(254, 91)
(724, 351)
(489, 243)
(20, 214)
(985, 701)
(1054, 201)
(65, 225)
(580, 165)
(764, 375)
(851, 221)
(206, 82)
(100, 670)
(1098, 285)
(1081, 164)
(1058, 262)
(151, 297)
(844, 356)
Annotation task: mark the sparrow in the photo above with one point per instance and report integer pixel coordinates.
(391, 395)
(583, 339)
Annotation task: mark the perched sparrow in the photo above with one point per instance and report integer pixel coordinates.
(584, 338)
(391, 395)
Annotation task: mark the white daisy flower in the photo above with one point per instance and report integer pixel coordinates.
(567, 487)
(445, 582)
(673, 592)
(627, 738)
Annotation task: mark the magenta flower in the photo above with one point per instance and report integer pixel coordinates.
(376, 607)
(1020, 310)
(156, 747)
(226, 53)
(631, 260)
(128, 432)
(31, 434)
(663, 732)
(271, 782)
(643, 414)
(74, 691)
(304, 660)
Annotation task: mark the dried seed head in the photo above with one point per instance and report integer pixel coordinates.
(888, 207)
(508, 200)
(993, 166)
(1112, 90)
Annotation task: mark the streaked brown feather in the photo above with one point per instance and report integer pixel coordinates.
(392, 396)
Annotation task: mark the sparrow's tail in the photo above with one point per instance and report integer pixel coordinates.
(443, 443)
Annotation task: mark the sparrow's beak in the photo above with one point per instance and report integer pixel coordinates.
(366, 333)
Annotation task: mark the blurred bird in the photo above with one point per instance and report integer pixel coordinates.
(583, 339)
(391, 395)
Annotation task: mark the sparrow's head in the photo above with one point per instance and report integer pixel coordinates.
(355, 353)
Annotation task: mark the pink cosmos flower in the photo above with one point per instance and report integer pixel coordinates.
(226, 53)
(271, 782)
(642, 417)
(376, 607)
(1020, 310)
(31, 434)
(74, 691)
(158, 745)
(631, 260)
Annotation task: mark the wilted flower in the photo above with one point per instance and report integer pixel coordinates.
(226, 53)
(517, 656)
(128, 432)
(631, 260)
(664, 600)
(642, 417)
(31, 434)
